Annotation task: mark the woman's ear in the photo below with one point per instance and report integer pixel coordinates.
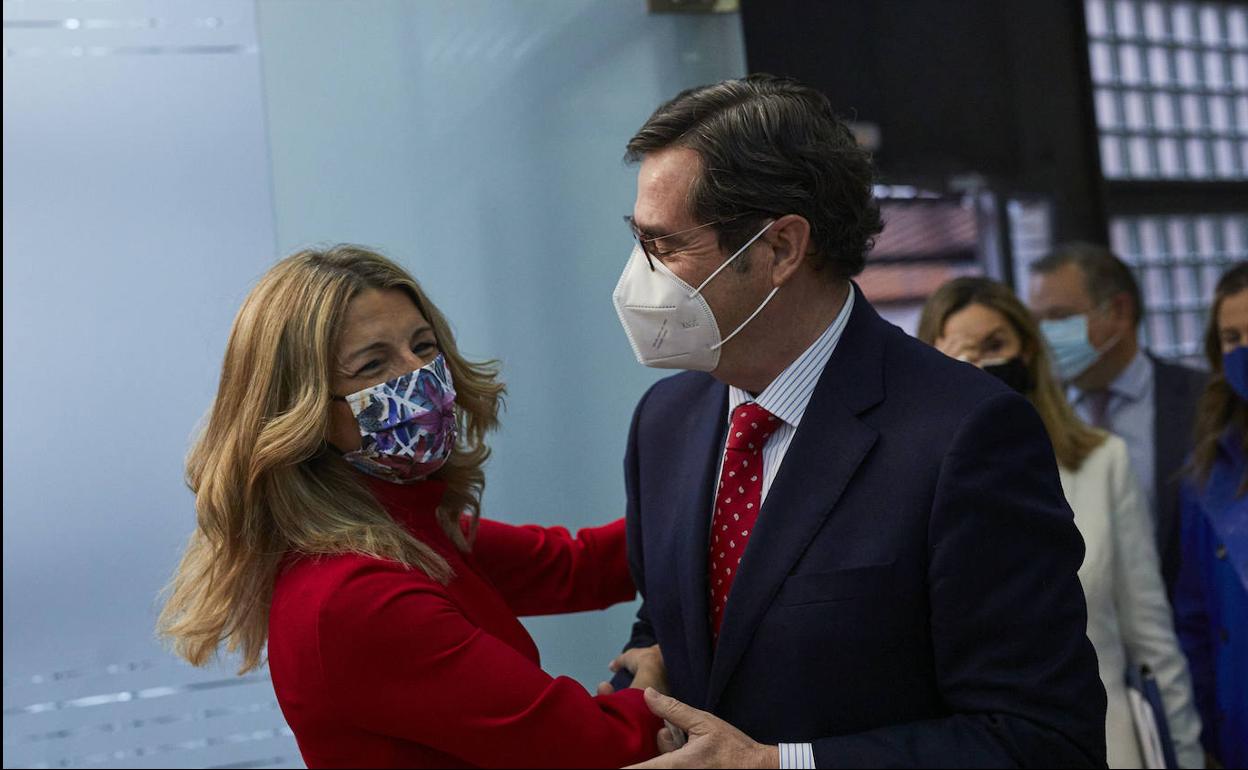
(789, 238)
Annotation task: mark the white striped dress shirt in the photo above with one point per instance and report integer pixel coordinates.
(786, 397)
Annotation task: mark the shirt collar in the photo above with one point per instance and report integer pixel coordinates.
(787, 396)
(1132, 383)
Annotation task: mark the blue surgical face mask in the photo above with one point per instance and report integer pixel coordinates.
(1073, 354)
(1235, 369)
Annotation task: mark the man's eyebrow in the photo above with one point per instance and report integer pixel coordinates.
(649, 231)
(671, 240)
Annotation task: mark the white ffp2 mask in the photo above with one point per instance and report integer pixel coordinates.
(668, 322)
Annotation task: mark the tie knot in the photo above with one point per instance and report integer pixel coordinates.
(1098, 407)
(751, 426)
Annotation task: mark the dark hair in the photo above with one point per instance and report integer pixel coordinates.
(1219, 406)
(771, 146)
(1105, 275)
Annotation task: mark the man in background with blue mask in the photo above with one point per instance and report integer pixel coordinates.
(1089, 309)
(854, 551)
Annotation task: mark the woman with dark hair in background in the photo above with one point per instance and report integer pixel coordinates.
(1129, 623)
(1211, 599)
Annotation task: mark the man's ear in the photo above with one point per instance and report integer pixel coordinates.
(1123, 308)
(789, 239)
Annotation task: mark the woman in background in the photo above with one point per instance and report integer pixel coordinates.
(1129, 622)
(338, 491)
(1211, 596)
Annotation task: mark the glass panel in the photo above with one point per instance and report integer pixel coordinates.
(1107, 108)
(1181, 22)
(1163, 111)
(1178, 259)
(1154, 21)
(1102, 64)
(1215, 63)
(1188, 76)
(1133, 106)
(1210, 25)
(134, 135)
(1141, 164)
(1185, 91)
(1124, 18)
(1111, 158)
(1131, 71)
(1237, 26)
(1097, 22)
(1224, 158)
(1171, 163)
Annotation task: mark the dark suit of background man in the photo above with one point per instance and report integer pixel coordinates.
(1112, 382)
(900, 574)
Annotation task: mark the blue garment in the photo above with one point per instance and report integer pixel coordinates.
(1211, 602)
(1235, 365)
(909, 595)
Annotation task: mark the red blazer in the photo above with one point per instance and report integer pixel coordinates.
(378, 666)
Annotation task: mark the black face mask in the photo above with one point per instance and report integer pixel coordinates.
(1014, 373)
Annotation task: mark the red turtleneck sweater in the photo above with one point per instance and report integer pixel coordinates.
(375, 665)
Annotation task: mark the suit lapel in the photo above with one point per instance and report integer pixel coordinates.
(693, 476)
(1163, 403)
(830, 444)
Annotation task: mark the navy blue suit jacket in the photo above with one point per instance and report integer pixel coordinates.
(909, 594)
(1176, 391)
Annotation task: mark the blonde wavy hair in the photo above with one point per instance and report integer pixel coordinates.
(266, 482)
(1072, 439)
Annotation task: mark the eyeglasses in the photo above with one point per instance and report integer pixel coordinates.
(647, 243)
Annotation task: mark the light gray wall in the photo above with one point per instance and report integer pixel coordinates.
(480, 144)
(154, 169)
(137, 211)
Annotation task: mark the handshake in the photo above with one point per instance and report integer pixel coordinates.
(690, 738)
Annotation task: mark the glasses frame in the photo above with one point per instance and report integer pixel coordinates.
(645, 242)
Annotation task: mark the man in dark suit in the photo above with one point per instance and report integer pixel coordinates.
(1112, 382)
(853, 550)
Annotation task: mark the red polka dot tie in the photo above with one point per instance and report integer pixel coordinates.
(737, 501)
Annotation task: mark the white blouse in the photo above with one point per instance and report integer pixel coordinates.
(1129, 618)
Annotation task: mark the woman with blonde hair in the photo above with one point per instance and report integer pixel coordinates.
(337, 490)
(981, 322)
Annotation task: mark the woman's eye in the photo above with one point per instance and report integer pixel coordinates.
(424, 347)
(367, 367)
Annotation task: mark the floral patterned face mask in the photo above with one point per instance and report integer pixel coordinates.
(407, 424)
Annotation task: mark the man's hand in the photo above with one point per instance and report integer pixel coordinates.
(712, 741)
(646, 665)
